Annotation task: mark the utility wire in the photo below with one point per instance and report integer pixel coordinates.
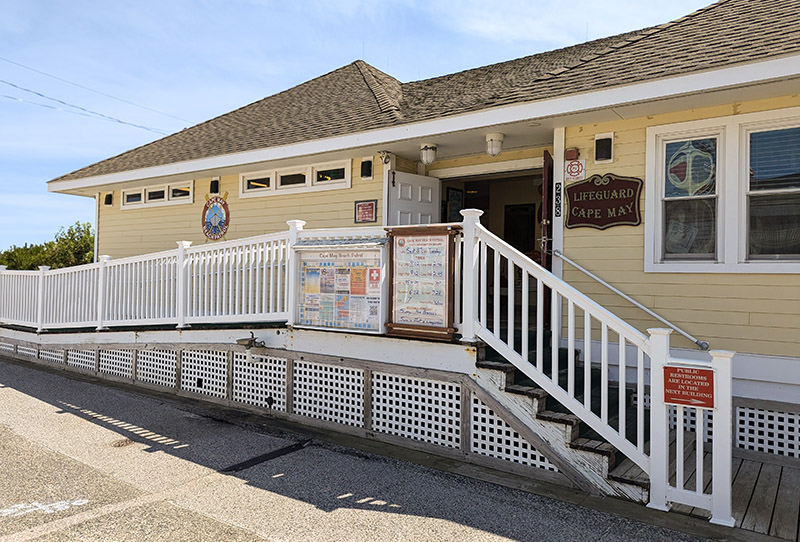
(95, 113)
(22, 100)
(92, 90)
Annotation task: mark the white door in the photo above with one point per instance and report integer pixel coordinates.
(413, 199)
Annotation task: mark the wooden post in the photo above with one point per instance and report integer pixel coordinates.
(469, 253)
(659, 425)
(181, 283)
(101, 291)
(295, 226)
(722, 442)
(40, 299)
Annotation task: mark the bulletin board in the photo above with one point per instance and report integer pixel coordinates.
(340, 288)
(421, 268)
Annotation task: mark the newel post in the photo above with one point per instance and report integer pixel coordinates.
(659, 424)
(101, 291)
(722, 441)
(3, 303)
(40, 299)
(295, 226)
(182, 283)
(470, 252)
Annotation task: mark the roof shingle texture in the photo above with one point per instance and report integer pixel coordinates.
(358, 97)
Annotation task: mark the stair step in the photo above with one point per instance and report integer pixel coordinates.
(628, 472)
(596, 446)
(495, 365)
(559, 417)
(531, 391)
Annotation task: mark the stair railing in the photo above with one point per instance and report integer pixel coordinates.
(702, 345)
(622, 360)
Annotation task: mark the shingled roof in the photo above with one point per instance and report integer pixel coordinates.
(358, 97)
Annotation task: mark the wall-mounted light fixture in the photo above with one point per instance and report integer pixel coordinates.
(494, 143)
(385, 156)
(427, 153)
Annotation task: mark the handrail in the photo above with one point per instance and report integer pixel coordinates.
(703, 345)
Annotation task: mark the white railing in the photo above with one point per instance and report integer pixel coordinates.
(617, 361)
(248, 280)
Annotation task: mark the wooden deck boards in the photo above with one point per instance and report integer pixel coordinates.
(765, 497)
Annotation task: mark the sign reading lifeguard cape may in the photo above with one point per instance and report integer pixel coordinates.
(604, 201)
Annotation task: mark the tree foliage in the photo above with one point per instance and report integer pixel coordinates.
(72, 246)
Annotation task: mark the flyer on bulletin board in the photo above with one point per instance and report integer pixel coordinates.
(340, 289)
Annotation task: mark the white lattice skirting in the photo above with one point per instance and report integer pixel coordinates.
(420, 409)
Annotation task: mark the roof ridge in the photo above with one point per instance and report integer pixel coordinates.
(633, 37)
(385, 101)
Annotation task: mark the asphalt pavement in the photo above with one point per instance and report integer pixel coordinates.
(82, 460)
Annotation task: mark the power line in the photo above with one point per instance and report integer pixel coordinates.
(95, 113)
(92, 90)
(22, 100)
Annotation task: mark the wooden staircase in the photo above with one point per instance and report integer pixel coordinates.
(620, 476)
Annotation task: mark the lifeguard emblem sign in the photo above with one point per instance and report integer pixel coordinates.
(216, 217)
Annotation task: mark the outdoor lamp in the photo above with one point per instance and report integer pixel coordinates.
(427, 153)
(494, 143)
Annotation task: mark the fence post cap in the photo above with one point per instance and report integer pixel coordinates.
(728, 354)
(471, 213)
(662, 331)
(184, 244)
(296, 224)
(3, 267)
(104, 257)
(44, 267)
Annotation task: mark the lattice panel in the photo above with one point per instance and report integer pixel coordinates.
(26, 351)
(769, 431)
(493, 437)
(48, 354)
(328, 392)
(117, 362)
(204, 372)
(157, 367)
(6, 347)
(417, 408)
(81, 358)
(255, 383)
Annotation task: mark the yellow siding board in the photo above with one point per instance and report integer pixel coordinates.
(747, 312)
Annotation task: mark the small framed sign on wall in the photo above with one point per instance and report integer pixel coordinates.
(366, 211)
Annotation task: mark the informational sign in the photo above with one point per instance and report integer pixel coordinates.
(366, 211)
(575, 170)
(422, 260)
(605, 201)
(216, 217)
(689, 386)
(340, 288)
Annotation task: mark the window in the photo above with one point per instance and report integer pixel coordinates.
(773, 196)
(689, 204)
(170, 194)
(723, 195)
(327, 176)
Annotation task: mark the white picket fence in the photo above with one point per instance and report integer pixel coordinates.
(254, 280)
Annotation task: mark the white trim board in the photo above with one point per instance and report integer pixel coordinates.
(696, 83)
(488, 168)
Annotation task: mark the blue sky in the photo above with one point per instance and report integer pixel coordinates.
(193, 60)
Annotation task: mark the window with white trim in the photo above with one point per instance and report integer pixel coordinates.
(151, 196)
(723, 195)
(326, 176)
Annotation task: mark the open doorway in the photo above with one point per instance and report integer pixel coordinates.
(511, 205)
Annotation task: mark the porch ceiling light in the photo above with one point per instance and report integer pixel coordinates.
(494, 143)
(427, 153)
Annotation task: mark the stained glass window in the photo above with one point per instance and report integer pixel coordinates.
(689, 199)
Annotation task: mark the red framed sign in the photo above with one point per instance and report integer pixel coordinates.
(689, 386)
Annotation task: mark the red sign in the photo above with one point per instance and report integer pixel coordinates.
(689, 386)
(366, 211)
